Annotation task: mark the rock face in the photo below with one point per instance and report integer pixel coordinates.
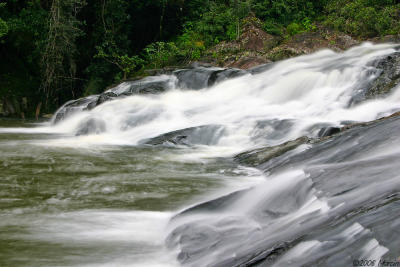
(74, 106)
(254, 38)
(328, 131)
(202, 77)
(148, 85)
(261, 155)
(310, 42)
(388, 76)
(385, 72)
(201, 135)
(311, 201)
(197, 78)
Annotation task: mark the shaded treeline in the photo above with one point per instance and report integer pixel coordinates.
(56, 50)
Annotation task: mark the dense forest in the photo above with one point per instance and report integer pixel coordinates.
(56, 50)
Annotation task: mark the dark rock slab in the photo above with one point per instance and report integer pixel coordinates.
(201, 135)
(388, 77)
(261, 155)
(361, 189)
(148, 85)
(261, 68)
(219, 76)
(328, 131)
(74, 106)
(197, 78)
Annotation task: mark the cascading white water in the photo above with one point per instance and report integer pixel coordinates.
(304, 91)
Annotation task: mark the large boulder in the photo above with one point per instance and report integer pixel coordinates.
(196, 78)
(148, 85)
(202, 77)
(74, 106)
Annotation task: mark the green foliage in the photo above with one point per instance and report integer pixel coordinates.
(285, 12)
(294, 28)
(126, 64)
(305, 26)
(190, 44)
(364, 18)
(3, 24)
(3, 28)
(308, 25)
(160, 54)
(273, 28)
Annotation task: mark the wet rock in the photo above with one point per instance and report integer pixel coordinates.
(258, 156)
(261, 68)
(74, 106)
(355, 196)
(148, 85)
(104, 97)
(388, 76)
(195, 241)
(201, 135)
(213, 205)
(219, 76)
(91, 126)
(328, 131)
(195, 78)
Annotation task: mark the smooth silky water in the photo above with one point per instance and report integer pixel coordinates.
(101, 205)
(107, 200)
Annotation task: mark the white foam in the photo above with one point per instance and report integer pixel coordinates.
(307, 90)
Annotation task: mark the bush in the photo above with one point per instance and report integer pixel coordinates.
(272, 28)
(364, 18)
(3, 28)
(190, 43)
(294, 28)
(160, 54)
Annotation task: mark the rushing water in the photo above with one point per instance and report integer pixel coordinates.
(107, 199)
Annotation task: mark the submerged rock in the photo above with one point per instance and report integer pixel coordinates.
(91, 126)
(201, 135)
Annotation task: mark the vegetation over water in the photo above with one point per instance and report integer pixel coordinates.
(56, 50)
